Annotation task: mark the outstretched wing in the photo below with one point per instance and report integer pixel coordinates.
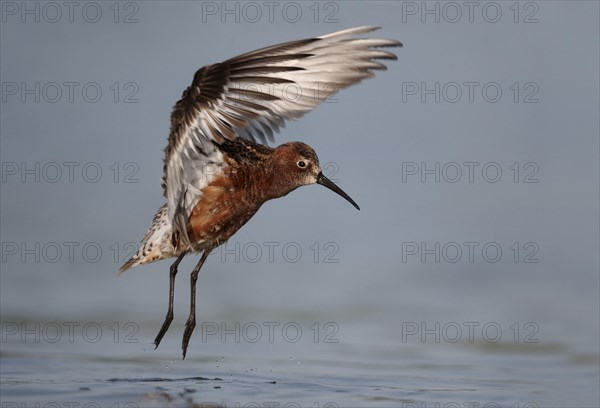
(251, 96)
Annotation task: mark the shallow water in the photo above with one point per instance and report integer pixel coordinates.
(369, 365)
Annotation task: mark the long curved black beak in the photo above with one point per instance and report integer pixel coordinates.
(324, 181)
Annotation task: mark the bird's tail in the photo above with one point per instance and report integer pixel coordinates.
(156, 244)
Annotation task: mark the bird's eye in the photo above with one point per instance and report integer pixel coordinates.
(302, 164)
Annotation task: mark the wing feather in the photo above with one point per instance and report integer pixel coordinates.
(251, 96)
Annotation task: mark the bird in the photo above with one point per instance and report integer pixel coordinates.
(218, 169)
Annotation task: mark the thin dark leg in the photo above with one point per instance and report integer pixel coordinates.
(169, 317)
(191, 322)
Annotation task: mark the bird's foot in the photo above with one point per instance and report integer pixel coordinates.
(163, 329)
(190, 325)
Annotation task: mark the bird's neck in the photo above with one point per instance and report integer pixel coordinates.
(270, 182)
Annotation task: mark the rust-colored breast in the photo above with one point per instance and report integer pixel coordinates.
(234, 196)
(224, 208)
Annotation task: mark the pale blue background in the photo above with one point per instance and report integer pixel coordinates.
(368, 133)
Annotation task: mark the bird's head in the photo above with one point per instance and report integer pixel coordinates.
(297, 164)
